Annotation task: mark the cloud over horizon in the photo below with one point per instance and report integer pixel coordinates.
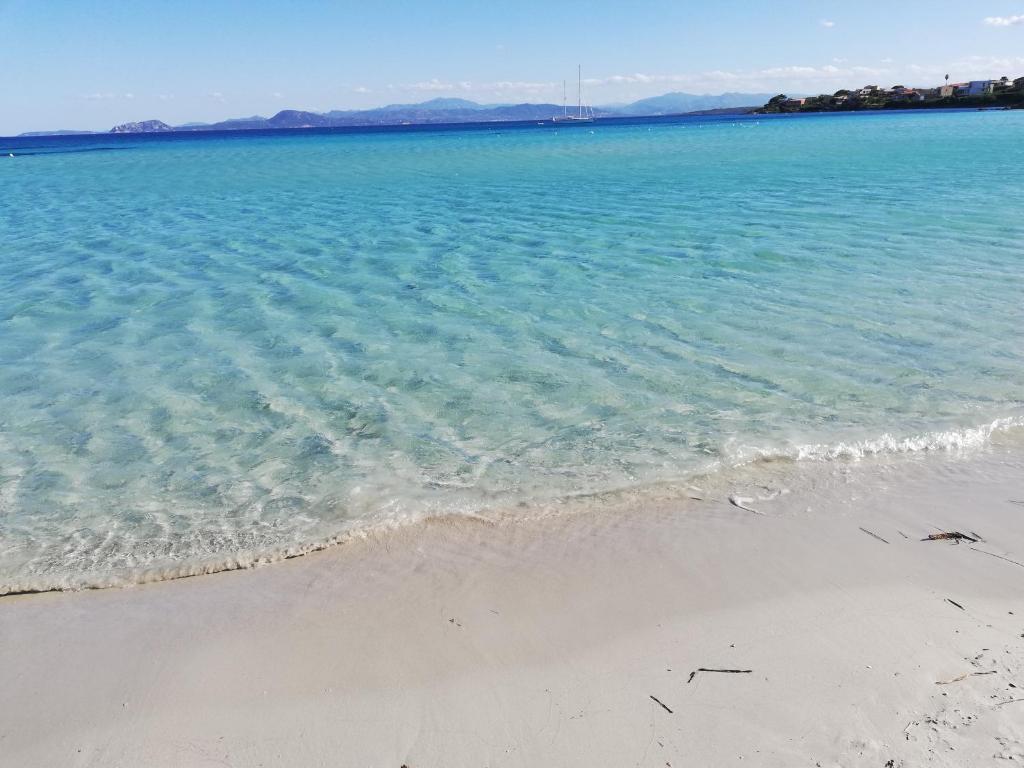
(795, 78)
(1004, 21)
(498, 88)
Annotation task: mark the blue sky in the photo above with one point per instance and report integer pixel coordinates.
(90, 64)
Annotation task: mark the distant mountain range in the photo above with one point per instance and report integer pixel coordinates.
(446, 110)
(678, 103)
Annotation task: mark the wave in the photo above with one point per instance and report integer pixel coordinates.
(234, 561)
(943, 440)
(950, 440)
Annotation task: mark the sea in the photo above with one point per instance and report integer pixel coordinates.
(220, 349)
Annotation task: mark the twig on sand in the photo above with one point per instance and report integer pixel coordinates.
(964, 676)
(993, 554)
(875, 535)
(741, 502)
(954, 602)
(728, 671)
(901, 533)
(1004, 703)
(661, 704)
(949, 536)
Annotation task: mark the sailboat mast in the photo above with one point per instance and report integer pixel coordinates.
(565, 108)
(579, 88)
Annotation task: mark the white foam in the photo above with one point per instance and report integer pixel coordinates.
(945, 440)
(963, 439)
(939, 441)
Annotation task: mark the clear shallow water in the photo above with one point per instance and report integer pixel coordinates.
(222, 346)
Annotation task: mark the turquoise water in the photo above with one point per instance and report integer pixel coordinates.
(226, 347)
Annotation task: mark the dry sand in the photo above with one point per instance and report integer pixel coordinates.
(546, 643)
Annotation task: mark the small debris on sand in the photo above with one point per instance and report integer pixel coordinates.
(1000, 557)
(661, 704)
(727, 671)
(743, 503)
(950, 536)
(874, 535)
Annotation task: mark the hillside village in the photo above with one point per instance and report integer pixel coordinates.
(1003, 92)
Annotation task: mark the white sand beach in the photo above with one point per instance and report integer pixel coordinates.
(567, 641)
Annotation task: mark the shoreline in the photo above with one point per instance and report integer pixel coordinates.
(565, 640)
(752, 470)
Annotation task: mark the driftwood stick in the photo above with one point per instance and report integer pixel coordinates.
(950, 536)
(875, 535)
(1004, 703)
(953, 536)
(954, 602)
(743, 503)
(661, 704)
(727, 671)
(993, 554)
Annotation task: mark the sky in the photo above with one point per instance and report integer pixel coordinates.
(91, 64)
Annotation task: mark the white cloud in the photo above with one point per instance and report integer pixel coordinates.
(517, 86)
(108, 96)
(362, 89)
(501, 87)
(431, 85)
(1004, 21)
(827, 24)
(971, 67)
(801, 78)
(793, 77)
(216, 96)
(277, 95)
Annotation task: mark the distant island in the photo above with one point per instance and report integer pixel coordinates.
(146, 126)
(56, 133)
(448, 110)
(981, 94)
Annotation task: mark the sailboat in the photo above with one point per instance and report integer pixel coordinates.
(584, 113)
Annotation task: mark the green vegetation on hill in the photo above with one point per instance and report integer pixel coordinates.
(978, 94)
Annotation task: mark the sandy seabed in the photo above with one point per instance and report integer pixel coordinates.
(566, 641)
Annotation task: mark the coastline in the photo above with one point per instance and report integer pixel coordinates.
(16, 143)
(740, 479)
(464, 642)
